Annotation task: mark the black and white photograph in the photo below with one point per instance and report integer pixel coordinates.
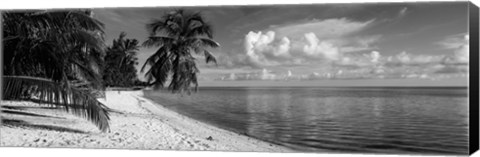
(332, 78)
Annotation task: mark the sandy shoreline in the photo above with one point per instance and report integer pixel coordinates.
(136, 123)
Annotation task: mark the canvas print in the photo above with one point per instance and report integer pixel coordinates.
(386, 78)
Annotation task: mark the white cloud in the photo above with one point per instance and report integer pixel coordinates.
(375, 56)
(264, 49)
(283, 48)
(289, 73)
(267, 75)
(405, 58)
(459, 43)
(332, 50)
(461, 54)
(357, 61)
(323, 28)
(304, 43)
(367, 66)
(263, 74)
(315, 48)
(454, 41)
(402, 12)
(232, 76)
(256, 44)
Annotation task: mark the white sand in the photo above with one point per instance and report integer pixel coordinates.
(137, 124)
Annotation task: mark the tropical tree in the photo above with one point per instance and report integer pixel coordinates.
(179, 36)
(120, 62)
(48, 55)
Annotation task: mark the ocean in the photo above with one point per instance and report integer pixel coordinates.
(418, 120)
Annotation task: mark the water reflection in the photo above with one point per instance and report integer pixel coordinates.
(310, 119)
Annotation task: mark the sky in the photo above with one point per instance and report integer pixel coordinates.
(384, 44)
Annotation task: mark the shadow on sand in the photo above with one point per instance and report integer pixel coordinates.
(21, 123)
(28, 114)
(20, 111)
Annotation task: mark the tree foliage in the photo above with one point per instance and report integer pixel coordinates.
(120, 63)
(50, 93)
(179, 36)
(52, 52)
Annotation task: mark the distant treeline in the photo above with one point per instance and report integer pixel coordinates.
(120, 61)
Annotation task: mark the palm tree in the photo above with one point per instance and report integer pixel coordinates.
(126, 49)
(45, 52)
(178, 35)
(120, 62)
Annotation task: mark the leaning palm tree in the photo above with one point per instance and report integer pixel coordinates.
(45, 51)
(178, 35)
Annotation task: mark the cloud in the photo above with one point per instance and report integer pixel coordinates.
(337, 64)
(461, 54)
(263, 74)
(357, 43)
(334, 27)
(459, 43)
(356, 61)
(408, 59)
(450, 69)
(315, 48)
(372, 65)
(257, 42)
(260, 47)
(331, 53)
(264, 49)
(401, 65)
(305, 43)
(402, 12)
(458, 62)
(375, 56)
(283, 48)
(454, 41)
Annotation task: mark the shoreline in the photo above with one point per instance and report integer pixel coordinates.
(189, 120)
(208, 125)
(221, 128)
(136, 123)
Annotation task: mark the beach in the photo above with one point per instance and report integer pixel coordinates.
(135, 123)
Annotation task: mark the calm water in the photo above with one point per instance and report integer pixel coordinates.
(385, 120)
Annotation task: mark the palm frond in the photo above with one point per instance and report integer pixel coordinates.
(209, 42)
(89, 39)
(67, 19)
(201, 29)
(196, 17)
(54, 94)
(209, 57)
(160, 70)
(202, 42)
(154, 26)
(86, 73)
(157, 26)
(185, 33)
(155, 41)
(163, 26)
(162, 51)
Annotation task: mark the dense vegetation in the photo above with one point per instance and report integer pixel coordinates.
(52, 57)
(120, 63)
